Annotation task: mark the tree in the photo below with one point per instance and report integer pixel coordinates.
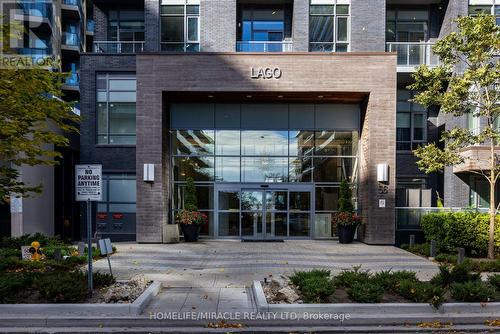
(30, 110)
(464, 84)
(345, 197)
(190, 200)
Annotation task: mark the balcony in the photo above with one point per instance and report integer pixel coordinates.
(411, 55)
(70, 42)
(39, 14)
(71, 8)
(264, 46)
(118, 47)
(476, 157)
(90, 26)
(72, 82)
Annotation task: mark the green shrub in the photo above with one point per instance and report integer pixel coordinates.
(62, 287)
(458, 274)
(421, 249)
(27, 239)
(494, 281)
(348, 277)
(317, 289)
(472, 292)
(365, 292)
(467, 229)
(486, 265)
(388, 279)
(11, 284)
(299, 277)
(9, 252)
(102, 280)
(421, 292)
(446, 258)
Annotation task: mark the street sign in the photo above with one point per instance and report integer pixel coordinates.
(88, 182)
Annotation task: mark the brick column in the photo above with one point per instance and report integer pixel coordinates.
(300, 22)
(152, 25)
(218, 25)
(368, 25)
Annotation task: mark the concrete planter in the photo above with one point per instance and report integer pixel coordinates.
(387, 313)
(95, 309)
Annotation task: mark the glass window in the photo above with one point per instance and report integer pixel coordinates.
(335, 143)
(300, 201)
(411, 122)
(193, 142)
(264, 143)
(476, 10)
(228, 142)
(328, 25)
(204, 196)
(198, 168)
(126, 25)
(227, 169)
(299, 224)
(180, 28)
(116, 113)
(300, 169)
(264, 169)
(118, 196)
(229, 200)
(301, 142)
(328, 169)
(327, 198)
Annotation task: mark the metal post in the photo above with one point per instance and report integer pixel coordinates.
(461, 255)
(109, 264)
(412, 240)
(433, 249)
(89, 245)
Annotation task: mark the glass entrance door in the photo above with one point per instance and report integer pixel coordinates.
(263, 213)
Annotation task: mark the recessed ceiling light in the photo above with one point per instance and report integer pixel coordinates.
(210, 96)
(249, 96)
(320, 96)
(280, 96)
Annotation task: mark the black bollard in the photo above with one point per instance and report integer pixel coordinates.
(412, 240)
(57, 254)
(461, 255)
(432, 252)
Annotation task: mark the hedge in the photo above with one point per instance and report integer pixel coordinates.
(467, 229)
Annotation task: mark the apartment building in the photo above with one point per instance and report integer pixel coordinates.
(57, 30)
(268, 106)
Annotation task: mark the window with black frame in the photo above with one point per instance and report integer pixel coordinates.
(411, 122)
(126, 27)
(180, 26)
(329, 27)
(115, 108)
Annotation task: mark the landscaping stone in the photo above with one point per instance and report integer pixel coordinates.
(287, 294)
(126, 292)
(280, 291)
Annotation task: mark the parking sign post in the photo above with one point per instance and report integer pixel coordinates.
(88, 187)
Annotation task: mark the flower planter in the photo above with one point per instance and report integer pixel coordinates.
(190, 232)
(346, 233)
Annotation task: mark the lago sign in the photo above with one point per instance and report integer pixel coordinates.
(265, 73)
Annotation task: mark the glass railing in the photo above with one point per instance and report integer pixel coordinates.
(40, 9)
(411, 218)
(71, 38)
(118, 47)
(180, 47)
(90, 25)
(413, 54)
(266, 46)
(71, 2)
(73, 79)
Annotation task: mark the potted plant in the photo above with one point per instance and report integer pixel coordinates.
(346, 220)
(190, 218)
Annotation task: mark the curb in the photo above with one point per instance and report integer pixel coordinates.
(89, 309)
(404, 310)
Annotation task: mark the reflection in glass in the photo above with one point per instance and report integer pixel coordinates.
(336, 142)
(300, 200)
(199, 168)
(301, 143)
(204, 195)
(193, 142)
(276, 200)
(250, 222)
(251, 200)
(227, 142)
(229, 224)
(208, 228)
(122, 190)
(300, 169)
(264, 169)
(227, 169)
(264, 143)
(299, 224)
(327, 198)
(332, 169)
(229, 200)
(279, 222)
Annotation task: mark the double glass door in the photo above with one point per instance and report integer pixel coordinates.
(263, 213)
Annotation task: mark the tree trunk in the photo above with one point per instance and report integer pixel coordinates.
(492, 211)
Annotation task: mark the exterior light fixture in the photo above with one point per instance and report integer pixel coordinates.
(149, 172)
(320, 96)
(382, 172)
(249, 96)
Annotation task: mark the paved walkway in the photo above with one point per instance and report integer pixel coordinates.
(235, 263)
(216, 275)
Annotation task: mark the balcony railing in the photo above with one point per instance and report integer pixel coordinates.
(267, 46)
(411, 218)
(118, 47)
(413, 54)
(90, 25)
(71, 38)
(73, 80)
